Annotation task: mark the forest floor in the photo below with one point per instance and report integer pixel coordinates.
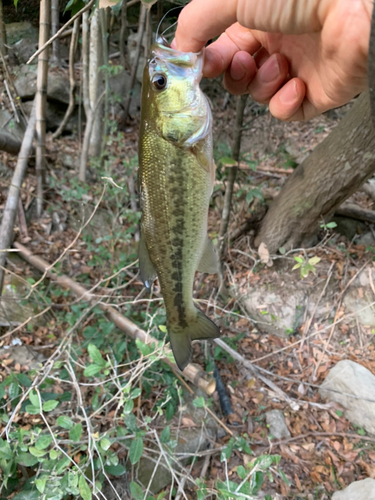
(325, 452)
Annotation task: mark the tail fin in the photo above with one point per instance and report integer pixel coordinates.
(201, 328)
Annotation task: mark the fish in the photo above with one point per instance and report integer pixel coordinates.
(175, 183)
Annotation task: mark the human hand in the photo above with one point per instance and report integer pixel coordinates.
(309, 55)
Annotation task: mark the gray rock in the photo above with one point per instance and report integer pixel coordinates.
(55, 115)
(132, 47)
(349, 378)
(24, 49)
(17, 31)
(13, 311)
(190, 440)
(360, 303)
(9, 124)
(359, 490)
(120, 88)
(57, 85)
(276, 424)
(367, 239)
(25, 356)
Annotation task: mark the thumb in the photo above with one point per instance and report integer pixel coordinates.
(202, 20)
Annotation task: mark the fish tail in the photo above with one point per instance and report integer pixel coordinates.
(200, 328)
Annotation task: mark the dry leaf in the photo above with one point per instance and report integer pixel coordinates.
(103, 4)
(264, 254)
(187, 422)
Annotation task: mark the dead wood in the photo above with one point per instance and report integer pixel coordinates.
(9, 144)
(353, 211)
(192, 372)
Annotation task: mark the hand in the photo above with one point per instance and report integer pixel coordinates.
(302, 57)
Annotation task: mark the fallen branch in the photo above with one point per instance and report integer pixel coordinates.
(353, 211)
(192, 372)
(10, 210)
(272, 170)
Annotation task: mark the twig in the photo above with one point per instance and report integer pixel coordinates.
(193, 373)
(11, 101)
(255, 371)
(61, 30)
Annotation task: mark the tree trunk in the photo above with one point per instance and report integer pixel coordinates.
(41, 100)
(3, 33)
(10, 210)
(124, 26)
(55, 25)
(95, 83)
(332, 172)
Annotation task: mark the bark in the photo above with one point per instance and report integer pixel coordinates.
(11, 206)
(9, 144)
(72, 81)
(95, 83)
(236, 150)
(41, 100)
(332, 172)
(192, 372)
(371, 67)
(124, 25)
(85, 62)
(141, 31)
(55, 24)
(3, 33)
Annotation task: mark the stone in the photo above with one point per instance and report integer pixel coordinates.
(57, 85)
(120, 87)
(55, 115)
(9, 124)
(25, 356)
(24, 49)
(359, 490)
(190, 440)
(132, 47)
(350, 378)
(276, 424)
(13, 310)
(18, 31)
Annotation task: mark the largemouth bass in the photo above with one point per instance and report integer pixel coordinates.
(176, 178)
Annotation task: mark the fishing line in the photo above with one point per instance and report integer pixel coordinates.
(162, 19)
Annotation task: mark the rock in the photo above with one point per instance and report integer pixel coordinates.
(13, 310)
(360, 301)
(9, 124)
(190, 440)
(119, 85)
(57, 86)
(18, 31)
(132, 47)
(359, 490)
(55, 115)
(24, 355)
(276, 424)
(24, 49)
(348, 377)
(348, 227)
(367, 239)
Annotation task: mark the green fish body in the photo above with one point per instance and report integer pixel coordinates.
(176, 177)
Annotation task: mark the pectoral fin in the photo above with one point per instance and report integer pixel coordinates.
(146, 267)
(209, 262)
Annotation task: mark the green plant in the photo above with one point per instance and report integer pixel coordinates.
(306, 265)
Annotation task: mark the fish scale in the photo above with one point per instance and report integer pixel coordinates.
(175, 183)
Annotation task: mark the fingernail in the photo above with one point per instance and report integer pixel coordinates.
(288, 94)
(237, 69)
(270, 70)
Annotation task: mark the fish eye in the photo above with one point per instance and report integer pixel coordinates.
(159, 81)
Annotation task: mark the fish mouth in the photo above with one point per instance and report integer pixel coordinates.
(164, 52)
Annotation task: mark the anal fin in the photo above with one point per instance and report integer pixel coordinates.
(146, 267)
(209, 262)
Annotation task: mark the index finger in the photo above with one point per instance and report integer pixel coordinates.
(217, 16)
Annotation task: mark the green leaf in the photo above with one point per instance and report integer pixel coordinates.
(256, 482)
(163, 328)
(131, 422)
(115, 470)
(241, 471)
(41, 483)
(65, 422)
(95, 355)
(33, 410)
(165, 436)
(144, 349)
(53, 454)
(136, 491)
(227, 160)
(34, 399)
(5, 450)
(14, 390)
(105, 444)
(84, 489)
(298, 259)
(136, 450)
(50, 405)
(27, 495)
(92, 370)
(75, 433)
(26, 459)
(23, 379)
(284, 478)
(37, 453)
(128, 406)
(199, 402)
(314, 260)
(43, 442)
